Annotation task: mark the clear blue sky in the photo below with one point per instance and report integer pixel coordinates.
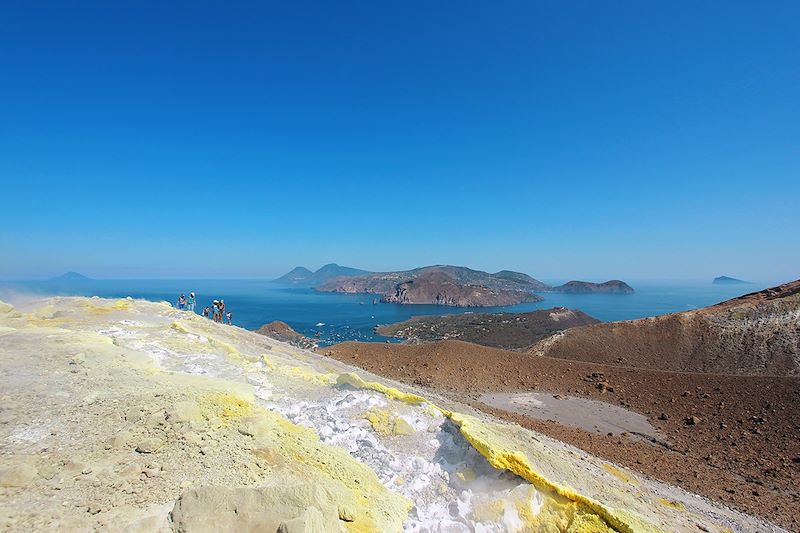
(586, 140)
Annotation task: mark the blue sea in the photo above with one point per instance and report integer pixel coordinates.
(338, 317)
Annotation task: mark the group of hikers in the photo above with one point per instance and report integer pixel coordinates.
(216, 311)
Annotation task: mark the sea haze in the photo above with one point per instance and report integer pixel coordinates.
(353, 316)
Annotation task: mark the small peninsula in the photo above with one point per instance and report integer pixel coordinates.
(510, 331)
(283, 332)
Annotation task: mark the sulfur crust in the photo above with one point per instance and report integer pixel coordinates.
(387, 423)
(619, 474)
(348, 378)
(564, 508)
(378, 509)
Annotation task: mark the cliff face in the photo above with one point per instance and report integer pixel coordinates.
(758, 333)
(440, 289)
(613, 286)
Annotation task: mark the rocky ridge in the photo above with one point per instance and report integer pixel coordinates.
(758, 333)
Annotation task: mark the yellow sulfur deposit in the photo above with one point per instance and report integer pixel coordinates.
(354, 380)
(561, 501)
(375, 508)
(670, 503)
(386, 423)
(564, 508)
(619, 474)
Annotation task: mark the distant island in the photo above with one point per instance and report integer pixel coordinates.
(725, 280)
(303, 277)
(449, 285)
(386, 282)
(613, 286)
(442, 285)
(441, 289)
(70, 276)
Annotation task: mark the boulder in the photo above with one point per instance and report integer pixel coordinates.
(149, 445)
(294, 507)
(187, 411)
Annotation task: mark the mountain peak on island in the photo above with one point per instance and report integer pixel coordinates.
(71, 276)
(297, 274)
(726, 280)
(303, 277)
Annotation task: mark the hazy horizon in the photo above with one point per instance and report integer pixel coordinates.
(551, 280)
(593, 141)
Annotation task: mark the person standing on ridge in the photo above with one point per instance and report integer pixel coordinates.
(205, 311)
(191, 302)
(182, 302)
(215, 316)
(230, 318)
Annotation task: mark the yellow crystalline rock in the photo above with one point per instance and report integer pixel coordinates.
(227, 405)
(122, 305)
(348, 378)
(386, 423)
(619, 474)
(563, 506)
(91, 306)
(670, 503)
(307, 374)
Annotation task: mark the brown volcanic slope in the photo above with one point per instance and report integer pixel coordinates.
(512, 331)
(440, 289)
(283, 332)
(742, 449)
(757, 333)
